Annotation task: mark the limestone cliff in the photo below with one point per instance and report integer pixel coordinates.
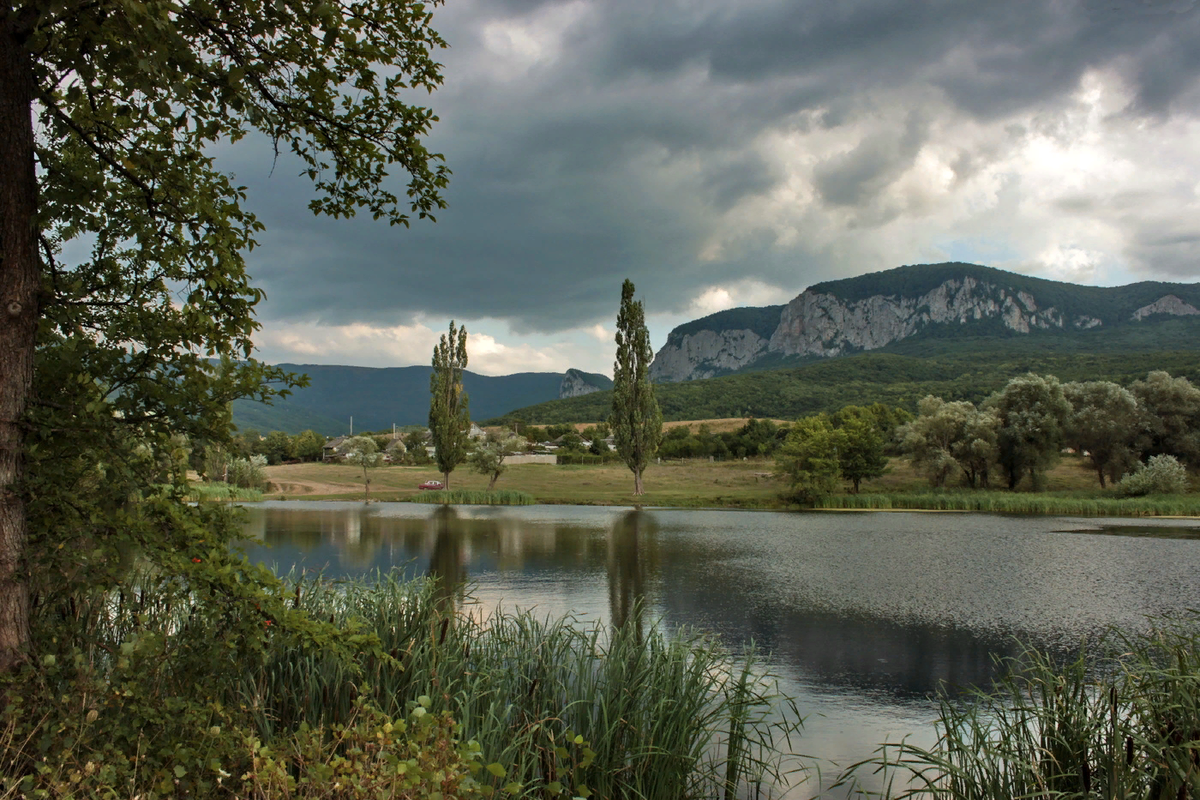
(718, 344)
(576, 383)
(821, 324)
(876, 310)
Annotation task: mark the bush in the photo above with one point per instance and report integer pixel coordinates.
(1160, 475)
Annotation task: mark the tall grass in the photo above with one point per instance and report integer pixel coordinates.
(222, 491)
(1059, 731)
(553, 702)
(1020, 503)
(475, 497)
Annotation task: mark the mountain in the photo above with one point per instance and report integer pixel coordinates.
(916, 303)
(378, 398)
(576, 383)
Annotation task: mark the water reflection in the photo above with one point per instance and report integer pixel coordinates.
(447, 564)
(865, 615)
(632, 553)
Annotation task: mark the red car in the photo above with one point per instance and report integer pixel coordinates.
(432, 485)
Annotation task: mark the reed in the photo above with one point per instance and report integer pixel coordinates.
(555, 703)
(1052, 730)
(222, 491)
(475, 497)
(999, 502)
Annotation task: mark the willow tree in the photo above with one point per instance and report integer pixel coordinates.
(122, 242)
(636, 420)
(449, 415)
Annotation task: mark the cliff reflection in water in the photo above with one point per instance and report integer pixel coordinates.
(844, 603)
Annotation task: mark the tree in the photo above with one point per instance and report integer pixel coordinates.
(949, 437)
(278, 447)
(860, 455)
(1170, 417)
(809, 458)
(636, 420)
(115, 334)
(1102, 425)
(361, 451)
(449, 417)
(310, 445)
(1032, 412)
(488, 457)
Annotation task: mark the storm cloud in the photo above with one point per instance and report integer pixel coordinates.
(744, 151)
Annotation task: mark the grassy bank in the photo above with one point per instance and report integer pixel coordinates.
(1051, 730)
(998, 502)
(1071, 489)
(428, 702)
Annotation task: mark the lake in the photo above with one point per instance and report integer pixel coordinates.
(864, 614)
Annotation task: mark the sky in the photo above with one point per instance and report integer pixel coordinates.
(724, 153)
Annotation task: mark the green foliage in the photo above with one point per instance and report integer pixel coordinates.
(370, 755)
(1160, 475)
(1170, 417)
(1103, 423)
(488, 456)
(809, 459)
(362, 451)
(860, 451)
(309, 445)
(1032, 413)
(636, 420)
(449, 415)
(946, 438)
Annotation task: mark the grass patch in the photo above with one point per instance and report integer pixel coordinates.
(1001, 502)
(1053, 730)
(474, 497)
(222, 491)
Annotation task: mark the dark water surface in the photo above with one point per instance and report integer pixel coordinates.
(865, 614)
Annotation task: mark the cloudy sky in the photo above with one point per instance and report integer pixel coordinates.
(723, 153)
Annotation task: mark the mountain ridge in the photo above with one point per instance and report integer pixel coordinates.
(876, 310)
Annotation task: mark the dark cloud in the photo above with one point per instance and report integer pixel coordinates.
(618, 154)
(854, 178)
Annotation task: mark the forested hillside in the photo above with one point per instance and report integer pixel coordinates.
(960, 371)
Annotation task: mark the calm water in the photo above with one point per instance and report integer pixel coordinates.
(865, 614)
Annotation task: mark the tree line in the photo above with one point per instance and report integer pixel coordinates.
(1141, 437)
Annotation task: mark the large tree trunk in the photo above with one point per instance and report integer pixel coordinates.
(638, 491)
(18, 324)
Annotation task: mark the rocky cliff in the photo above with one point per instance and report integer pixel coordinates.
(576, 383)
(876, 310)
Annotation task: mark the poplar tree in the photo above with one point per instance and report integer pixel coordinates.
(449, 417)
(636, 420)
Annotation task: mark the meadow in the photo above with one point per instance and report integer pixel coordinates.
(1071, 488)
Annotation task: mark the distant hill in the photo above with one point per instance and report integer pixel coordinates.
(947, 302)
(900, 375)
(377, 398)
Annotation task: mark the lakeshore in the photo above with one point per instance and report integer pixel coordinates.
(747, 484)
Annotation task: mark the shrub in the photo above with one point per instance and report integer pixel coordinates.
(1160, 475)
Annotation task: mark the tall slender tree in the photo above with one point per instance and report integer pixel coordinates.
(449, 416)
(636, 420)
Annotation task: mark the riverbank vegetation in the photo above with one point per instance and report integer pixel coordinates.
(164, 693)
(1127, 729)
